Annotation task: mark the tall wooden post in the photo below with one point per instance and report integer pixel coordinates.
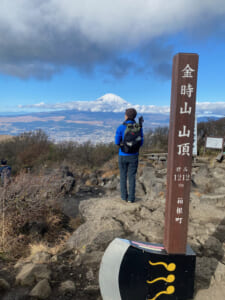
(181, 134)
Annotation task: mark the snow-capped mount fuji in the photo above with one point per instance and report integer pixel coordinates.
(113, 103)
(106, 103)
(110, 103)
(111, 98)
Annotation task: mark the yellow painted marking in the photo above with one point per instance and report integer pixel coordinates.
(170, 278)
(169, 267)
(170, 290)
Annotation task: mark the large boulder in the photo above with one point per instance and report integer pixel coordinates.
(67, 286)
(217, 292)
(4, 285)
(42, 290)
(109, 217)
(31, 273)
(153, 182)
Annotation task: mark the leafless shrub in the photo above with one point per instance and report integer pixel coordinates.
(86, 154)
(156, 140)
(213, 128)
(31, 150)
(28, 213)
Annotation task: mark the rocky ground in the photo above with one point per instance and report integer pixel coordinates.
(91, 200)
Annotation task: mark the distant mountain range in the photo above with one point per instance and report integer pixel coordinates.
(83, 120)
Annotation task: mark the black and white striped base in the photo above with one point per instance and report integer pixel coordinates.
(143, 271)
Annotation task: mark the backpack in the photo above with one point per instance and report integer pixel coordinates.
(132, 138)
(5, 174)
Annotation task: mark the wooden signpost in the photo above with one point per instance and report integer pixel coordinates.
(132, 270)
(180, 145)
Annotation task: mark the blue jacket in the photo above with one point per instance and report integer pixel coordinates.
(120, 135)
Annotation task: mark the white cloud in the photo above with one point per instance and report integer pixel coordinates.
(130, 22)
(39, 37)
(211, 108)
(114, 103)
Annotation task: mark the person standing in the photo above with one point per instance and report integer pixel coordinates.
(129, 136)
(5, 172)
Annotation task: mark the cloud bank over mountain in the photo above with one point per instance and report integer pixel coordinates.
(114, 103)
(41, 37)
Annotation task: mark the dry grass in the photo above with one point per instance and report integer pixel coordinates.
(110, 173)
(44, 247)
(111, 165)
(4, 138)
(198, 194)
(161, 194)
(29, 216)
(38, 247)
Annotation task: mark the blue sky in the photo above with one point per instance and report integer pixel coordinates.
(62, 51)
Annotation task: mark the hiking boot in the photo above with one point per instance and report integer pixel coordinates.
(124, 200)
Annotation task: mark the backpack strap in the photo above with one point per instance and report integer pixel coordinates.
(125, 122)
